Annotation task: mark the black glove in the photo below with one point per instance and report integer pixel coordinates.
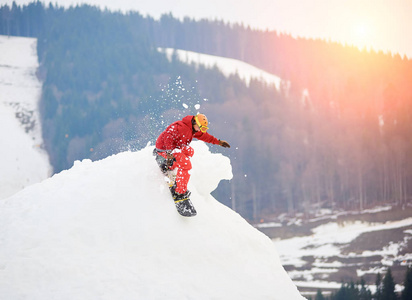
(224, 144)
(170, 159)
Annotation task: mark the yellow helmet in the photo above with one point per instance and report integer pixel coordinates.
(202, 122)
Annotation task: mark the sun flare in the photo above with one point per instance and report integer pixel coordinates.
(361, 31)
(362, 34)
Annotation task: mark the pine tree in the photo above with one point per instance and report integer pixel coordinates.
(364, 293)
(378, 283)
(348, 291)
(388, 289)
(319, 295)
(407, 291)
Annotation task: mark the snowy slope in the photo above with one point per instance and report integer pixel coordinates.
(109, 230)
(227, 66)
(22, 160)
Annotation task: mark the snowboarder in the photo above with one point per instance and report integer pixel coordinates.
(173, 150)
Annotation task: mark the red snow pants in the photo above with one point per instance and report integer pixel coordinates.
(183, 166)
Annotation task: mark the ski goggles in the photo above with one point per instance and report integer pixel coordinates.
(201, 127)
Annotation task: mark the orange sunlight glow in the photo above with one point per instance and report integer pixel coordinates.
(369, 30)
(374, 25)
(382, 28)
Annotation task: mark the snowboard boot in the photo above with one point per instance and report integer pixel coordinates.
(179, 197)
(183, 204)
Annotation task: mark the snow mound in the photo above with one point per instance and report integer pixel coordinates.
(109, 230)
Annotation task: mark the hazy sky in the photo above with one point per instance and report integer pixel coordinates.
(381, 24)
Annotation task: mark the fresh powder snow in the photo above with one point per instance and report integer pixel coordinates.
(22, 159)
(109, 230)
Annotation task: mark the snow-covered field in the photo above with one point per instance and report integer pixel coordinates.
(109, 230)
(22, 159)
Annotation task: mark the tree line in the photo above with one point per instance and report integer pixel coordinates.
(335, 134)
(385, 289)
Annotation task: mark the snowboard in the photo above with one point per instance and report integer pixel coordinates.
(183, 206)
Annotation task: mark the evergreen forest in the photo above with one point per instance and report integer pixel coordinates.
(336, 133)
(384, 289)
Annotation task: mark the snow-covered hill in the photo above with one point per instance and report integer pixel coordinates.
(22, 159)
(227, 66)
(109, 230)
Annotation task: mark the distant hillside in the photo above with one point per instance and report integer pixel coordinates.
(337, 246)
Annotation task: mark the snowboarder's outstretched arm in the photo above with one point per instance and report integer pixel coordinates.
(208, 138)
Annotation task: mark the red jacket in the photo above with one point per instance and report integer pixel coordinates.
(180, 134)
